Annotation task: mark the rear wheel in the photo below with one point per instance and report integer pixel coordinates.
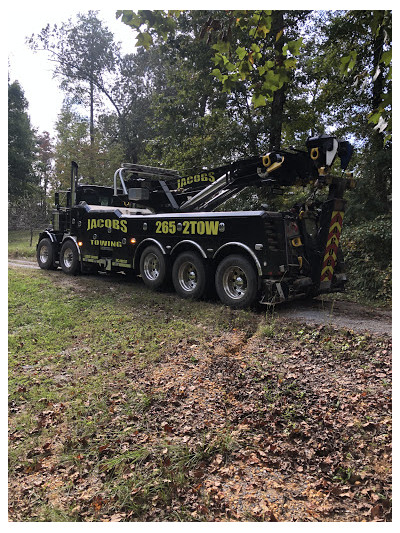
(236, 281)
(153, 268)
(189, 276)
(69, 258)
(45, 254)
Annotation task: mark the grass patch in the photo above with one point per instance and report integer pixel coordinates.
(19, 244)
(269, 328)
(76, 346)
(128, 405)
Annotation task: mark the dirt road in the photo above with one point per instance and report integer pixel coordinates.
(341, 314)
(349, 315)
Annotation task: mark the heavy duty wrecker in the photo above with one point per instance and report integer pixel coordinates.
(155, 223)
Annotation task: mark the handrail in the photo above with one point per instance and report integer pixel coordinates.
(119, 171)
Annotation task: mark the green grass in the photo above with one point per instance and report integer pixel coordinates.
(75, 346)
(268, 328)
(63, 329)
(19, 244)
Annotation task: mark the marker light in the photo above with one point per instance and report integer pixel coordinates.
(133, 240)
(80, 243)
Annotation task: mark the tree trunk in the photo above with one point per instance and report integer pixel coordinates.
(377, 138)
(279, 97)
(91, 119)
(275, 137)
(248, 118)
(91, 132)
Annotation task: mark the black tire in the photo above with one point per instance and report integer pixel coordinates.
(45, 254)
(153, 268)
(69, 258)
(236, 282)
(189, 276)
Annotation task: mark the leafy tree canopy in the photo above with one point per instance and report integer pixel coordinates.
(21, 145)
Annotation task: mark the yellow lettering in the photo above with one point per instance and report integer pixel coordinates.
(200, 227)
(212, 227)
(121, 225)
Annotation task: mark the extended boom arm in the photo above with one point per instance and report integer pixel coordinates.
(164, 190)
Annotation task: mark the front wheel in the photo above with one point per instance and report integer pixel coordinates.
(69, 258)
(189, 276)
(236, 282)
(45, 254)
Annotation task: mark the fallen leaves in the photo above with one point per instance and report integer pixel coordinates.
(237, 428)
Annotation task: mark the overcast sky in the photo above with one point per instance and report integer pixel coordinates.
(34, 70)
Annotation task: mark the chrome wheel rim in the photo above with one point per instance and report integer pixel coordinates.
(234, 282)
(187, 276)
(44, 254)
(68, 257)
(151, 266)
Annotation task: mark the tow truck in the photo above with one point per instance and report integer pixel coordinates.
(161, 226)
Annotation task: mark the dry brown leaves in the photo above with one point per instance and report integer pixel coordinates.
(295, 428)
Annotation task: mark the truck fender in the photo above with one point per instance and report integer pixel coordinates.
(142, 245)
(191, 243)
(47, 235)
(244, 247)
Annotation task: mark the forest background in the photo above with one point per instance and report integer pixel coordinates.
(208, 87)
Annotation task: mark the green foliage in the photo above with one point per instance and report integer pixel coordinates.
(348, 62)
(367, 250)
(184, 121)
(157, 22)
(97, 160)
(83, 54)
(368, 60)
(21, 145)
(249, 46)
